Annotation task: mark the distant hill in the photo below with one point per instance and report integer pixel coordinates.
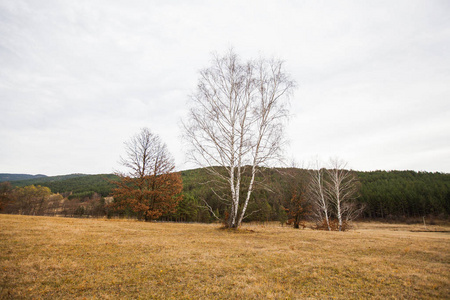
(77, 184)
(14, 177)
(44, 179)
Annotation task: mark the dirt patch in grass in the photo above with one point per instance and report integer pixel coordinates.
(45, 258)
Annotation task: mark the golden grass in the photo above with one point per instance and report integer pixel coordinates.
(49, 257)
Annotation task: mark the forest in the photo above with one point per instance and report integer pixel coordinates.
(386, 195)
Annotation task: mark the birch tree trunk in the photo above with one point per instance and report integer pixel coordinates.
(341, 190)
(318, 195)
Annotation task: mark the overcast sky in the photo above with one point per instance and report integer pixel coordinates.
(78, 78)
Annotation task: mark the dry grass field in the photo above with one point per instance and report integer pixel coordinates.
(49, 257)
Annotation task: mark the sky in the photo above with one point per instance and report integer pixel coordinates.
(79, 78)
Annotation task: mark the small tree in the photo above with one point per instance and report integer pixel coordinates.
(5, 194)
(282, 215)
(151, 188)
(298, 209)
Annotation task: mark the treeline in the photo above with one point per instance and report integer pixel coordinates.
(40, 201)
(404, 194)
(74, 185)
(74, 195)
(388, 195)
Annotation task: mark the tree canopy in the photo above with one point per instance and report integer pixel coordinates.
(151, 188)
(235, 124)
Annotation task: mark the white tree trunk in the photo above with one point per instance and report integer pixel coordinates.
(318, 195)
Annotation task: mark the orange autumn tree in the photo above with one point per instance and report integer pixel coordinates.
(151, 188)
(298, 209)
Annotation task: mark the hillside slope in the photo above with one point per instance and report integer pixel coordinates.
(74, 183)
(14, 177)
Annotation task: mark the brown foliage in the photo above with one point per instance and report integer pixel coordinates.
(298, 209)
(151, 188)
(150, 196)
(5, 194)
(334, 225)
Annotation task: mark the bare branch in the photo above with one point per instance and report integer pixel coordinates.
(210, 209)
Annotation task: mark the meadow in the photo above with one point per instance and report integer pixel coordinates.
(68, 258)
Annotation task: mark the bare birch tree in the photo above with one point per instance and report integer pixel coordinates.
(236, 124)
(333, 192)
(341, 188)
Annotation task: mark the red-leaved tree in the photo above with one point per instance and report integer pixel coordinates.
(151, 188)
